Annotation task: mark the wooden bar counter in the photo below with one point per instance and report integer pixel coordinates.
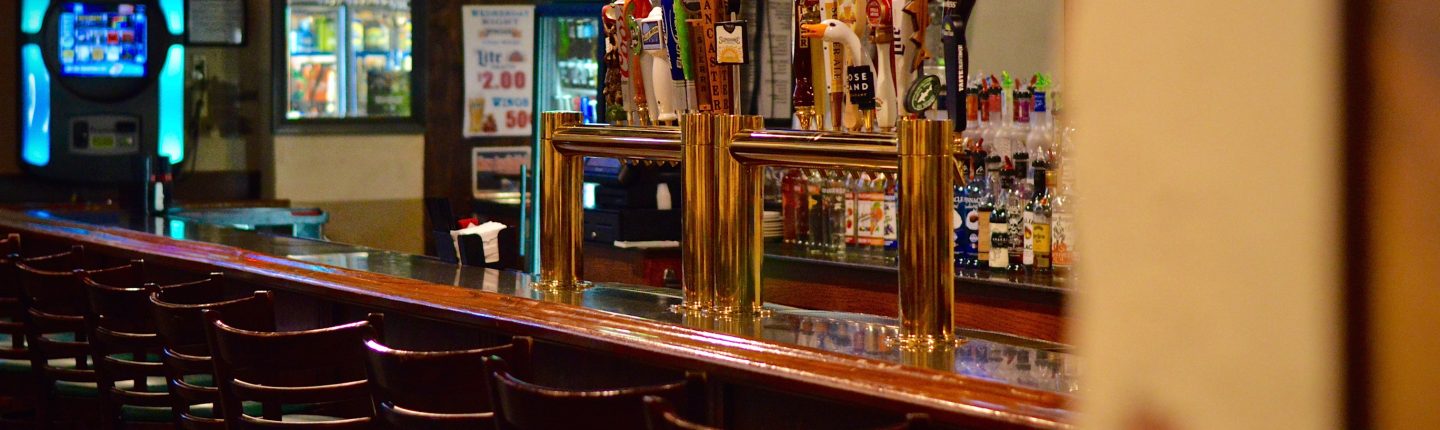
(792, 369)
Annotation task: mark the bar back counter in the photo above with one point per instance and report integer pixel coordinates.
(782, 368)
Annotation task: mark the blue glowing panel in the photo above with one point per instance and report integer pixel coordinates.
(172, 105)
(35, 110)
(32, 15)
(107, 40)
(174, 11)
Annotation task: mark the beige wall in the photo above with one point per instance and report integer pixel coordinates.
(1210, 248)
(1019, 36)
(1405, 263)
(371, 185)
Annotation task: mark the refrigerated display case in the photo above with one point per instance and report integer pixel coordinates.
(347, 59)
(569, 59)
(568, 69)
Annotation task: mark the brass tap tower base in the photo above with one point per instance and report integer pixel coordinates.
(806, 117)
(552, 285)
(923, 342)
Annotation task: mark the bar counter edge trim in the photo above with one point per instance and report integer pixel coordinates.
(952, 397)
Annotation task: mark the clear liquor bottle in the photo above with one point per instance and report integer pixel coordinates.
(835, 196)
(1062, 214)
(1015, 223)
(1000, 224)
(987, 211)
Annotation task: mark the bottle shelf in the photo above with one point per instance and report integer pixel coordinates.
(775, 249)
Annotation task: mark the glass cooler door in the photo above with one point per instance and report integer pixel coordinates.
(567, 69)
(349, 58)
(569, 64)
(315, 47)
(380, 42)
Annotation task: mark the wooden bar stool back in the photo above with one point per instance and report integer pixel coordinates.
(521, 405)
(14, 357)
(127, 352)
(438, 390)
(17, 378)
(659, 415)
(323, 368)
(53, 293)
(188, 368)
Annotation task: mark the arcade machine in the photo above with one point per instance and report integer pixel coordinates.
(102, 88)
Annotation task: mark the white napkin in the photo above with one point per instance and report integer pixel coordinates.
(489, 232)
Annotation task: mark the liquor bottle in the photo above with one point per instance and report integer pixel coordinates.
(1015, 222)
(1037, 230)
(987, 210)
(972, 117)
(852, 208)
(796, 214)
(835, 198)
(872, 216)
(815, 203)
(1032, 206)
(990, 116)
(1062, 233)
(891, 227)
(1000, 224)
(1041, 136)
(968, 197)
(1017, 132)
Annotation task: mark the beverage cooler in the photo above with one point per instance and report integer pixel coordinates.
(568, 59)
(568, 49)
(348, 58)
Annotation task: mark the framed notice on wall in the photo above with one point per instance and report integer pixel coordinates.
(499, 43)
(498, 172)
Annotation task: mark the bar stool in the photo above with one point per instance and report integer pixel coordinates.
(659, 415)
(188, 367)
(127, 352)
(53, 294)
(520, 405)
(437, 390)
(321, 367)
(17, 379)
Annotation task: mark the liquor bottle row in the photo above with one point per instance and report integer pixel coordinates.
(840, 214)
(1013, 196)
(1014, 211)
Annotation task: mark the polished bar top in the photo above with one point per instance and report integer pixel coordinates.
(989, 377)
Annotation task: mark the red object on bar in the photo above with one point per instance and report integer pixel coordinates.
(467, 222)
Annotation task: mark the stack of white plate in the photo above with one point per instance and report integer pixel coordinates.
(770, 224)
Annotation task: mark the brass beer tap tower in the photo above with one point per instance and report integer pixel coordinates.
(724, 157)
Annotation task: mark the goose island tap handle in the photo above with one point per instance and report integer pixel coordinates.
(957, 57)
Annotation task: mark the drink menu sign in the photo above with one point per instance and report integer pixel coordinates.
(499, 43)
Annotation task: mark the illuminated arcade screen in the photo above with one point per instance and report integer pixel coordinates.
(102, 40)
